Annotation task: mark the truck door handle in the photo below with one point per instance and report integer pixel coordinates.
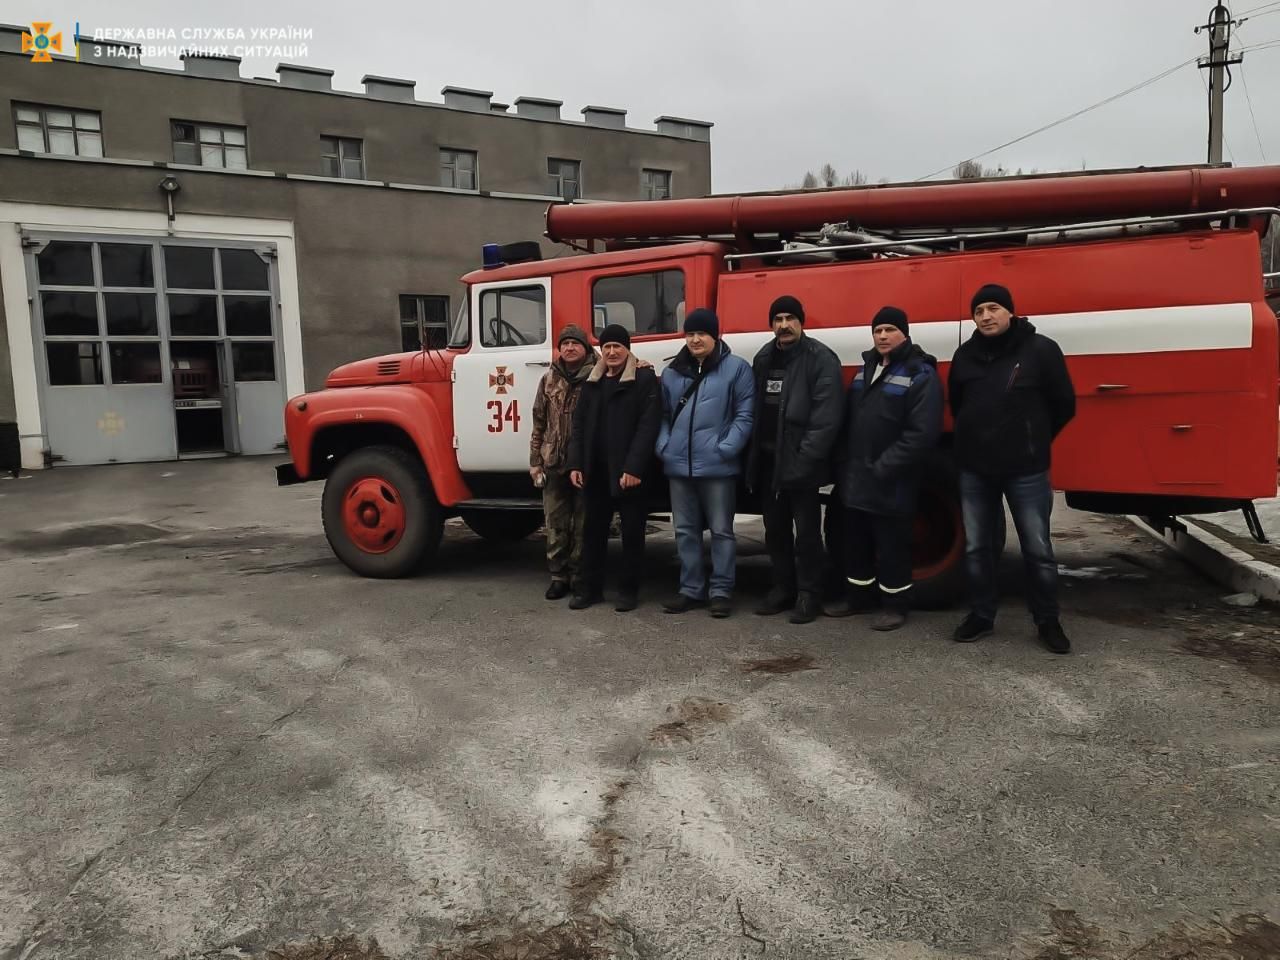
(537, 363)
(1112, 386)
(1181, 427)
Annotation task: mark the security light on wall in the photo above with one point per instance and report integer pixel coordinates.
(169, 186)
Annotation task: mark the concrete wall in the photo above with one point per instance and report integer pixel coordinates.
(402, 140)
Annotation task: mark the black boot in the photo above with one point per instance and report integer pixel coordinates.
(807, 608)
(856, 599)
(775, 601)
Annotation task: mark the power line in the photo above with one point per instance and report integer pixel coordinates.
(1249, 100)
(1264, 6)
(1071, 116)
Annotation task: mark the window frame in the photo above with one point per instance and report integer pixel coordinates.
(199, 143)
(75, 129)
(419, 322)
(647, 270)
(560, 178)
(452, 165)
(341, 157)
(646, 188)
(476, 296)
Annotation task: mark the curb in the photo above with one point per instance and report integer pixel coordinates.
(1217, 559)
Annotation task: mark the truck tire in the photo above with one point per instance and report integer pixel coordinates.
(502, 526)
(937, 548)
(380, 514)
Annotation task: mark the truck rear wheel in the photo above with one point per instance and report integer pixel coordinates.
(937, 547)
(502, 526)
(380, 514)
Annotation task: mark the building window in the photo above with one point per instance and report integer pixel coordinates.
(342, 157)
(643, 303)
(424, 322)
(209, 145)
(565, 177)
(458, 169)
(68, 133)
(655, 184)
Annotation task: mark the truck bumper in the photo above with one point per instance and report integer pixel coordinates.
(286, 475)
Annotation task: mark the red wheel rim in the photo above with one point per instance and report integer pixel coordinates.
(937, 541)
(373, 515)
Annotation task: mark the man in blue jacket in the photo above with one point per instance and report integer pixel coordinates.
(708, 404)
(893, 417)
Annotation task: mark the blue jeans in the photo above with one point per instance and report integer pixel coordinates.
(1030, 501)
(697, 503)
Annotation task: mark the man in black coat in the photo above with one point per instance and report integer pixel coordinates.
(615, 426)
(797, 418)
(1011, 395)
(893, 416)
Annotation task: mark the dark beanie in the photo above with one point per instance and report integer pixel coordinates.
(991, 293)
(703, 320)
(892, 315)
(786, 304)
(615, 333)
(575, 332)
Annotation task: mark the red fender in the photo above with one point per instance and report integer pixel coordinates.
(405, 406)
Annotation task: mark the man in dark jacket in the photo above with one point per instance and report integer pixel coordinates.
(893, 416)
(798, 401)
(708, 402)
(610, 450)
(563, 505)
(1011, 395)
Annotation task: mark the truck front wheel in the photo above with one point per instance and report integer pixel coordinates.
(380, 515)
(937, 548)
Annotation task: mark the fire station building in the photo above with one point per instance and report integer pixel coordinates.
(182, 250)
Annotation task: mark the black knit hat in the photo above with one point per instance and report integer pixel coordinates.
(892, 315)
(786, 304)
(703, 320)
(615, 333)
(577, 334)
(991, 293)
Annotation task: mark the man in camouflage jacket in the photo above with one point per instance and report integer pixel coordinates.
(562, 503)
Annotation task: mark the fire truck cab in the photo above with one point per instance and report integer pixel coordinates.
(1153, 290)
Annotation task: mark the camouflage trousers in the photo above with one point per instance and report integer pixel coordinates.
(565, 510)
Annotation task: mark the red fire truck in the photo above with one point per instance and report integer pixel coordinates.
(1149, 279)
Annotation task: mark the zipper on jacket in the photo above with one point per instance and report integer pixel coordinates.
(693, 410)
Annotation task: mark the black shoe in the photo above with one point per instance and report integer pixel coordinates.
(627, 601)
(807, 609)
(973, 627)
(681, 603)
(1051, 636)
(889, 619)
(856, 600)
(721, 607)
(558, 590)
(581, 601)
(775, 601)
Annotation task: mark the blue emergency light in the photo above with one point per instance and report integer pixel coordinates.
(491, 256)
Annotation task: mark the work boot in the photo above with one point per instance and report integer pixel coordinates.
(1051, 636)
(681, 603)
(585, 599)
(807, 609)
(558, 590)
(628, 600)
(775, 601)
(890, 618)
(856, 599)
(973, 627)
(721, 607)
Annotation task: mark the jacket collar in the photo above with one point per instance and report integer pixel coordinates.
(628, 372)
(687, 365)
(899, 353)
(584, 369)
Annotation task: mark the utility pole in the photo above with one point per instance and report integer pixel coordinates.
(1218, 64)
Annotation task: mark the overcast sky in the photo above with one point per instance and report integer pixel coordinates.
(895, 89)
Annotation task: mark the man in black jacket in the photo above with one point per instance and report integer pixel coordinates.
(1011, 395)
(893, 416)
(798, 401)
(615, 426)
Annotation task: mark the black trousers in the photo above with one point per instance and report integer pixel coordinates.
(793, 537)
(877, 550)
(600, 505)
